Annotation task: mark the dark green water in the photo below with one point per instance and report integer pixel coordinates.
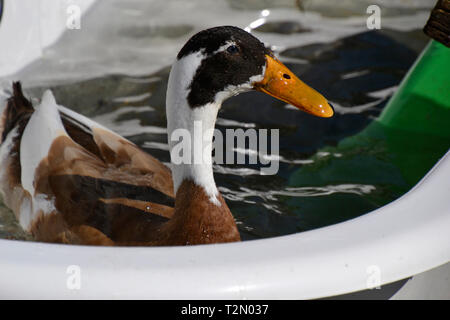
(327, 175)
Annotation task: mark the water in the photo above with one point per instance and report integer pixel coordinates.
(115, 71)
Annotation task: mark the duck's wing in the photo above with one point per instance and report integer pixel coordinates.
(69, 179)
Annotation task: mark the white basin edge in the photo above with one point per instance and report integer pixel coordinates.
(404, 238)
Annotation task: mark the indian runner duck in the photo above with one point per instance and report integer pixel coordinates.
(70, 180)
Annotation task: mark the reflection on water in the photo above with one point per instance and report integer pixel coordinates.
(120, 81)
(9, 227)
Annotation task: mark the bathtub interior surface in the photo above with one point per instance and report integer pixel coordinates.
(404, 238)
(115, 71)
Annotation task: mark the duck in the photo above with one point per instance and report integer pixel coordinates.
(70, 180)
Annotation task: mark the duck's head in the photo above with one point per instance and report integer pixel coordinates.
(214, 65)
(220, 62)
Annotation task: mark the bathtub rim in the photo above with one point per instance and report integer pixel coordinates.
(337, 259)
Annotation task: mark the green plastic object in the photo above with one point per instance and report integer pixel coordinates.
(422, 102)
(388, 157)
(414, 127)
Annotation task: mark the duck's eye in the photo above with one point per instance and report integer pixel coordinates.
(233, 49)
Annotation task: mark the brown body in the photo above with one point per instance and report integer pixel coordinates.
(106, 191)
(81, 183)
(197, 220)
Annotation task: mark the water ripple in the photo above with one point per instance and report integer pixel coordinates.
(273, 195)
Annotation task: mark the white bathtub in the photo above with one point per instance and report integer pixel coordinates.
(400, 240)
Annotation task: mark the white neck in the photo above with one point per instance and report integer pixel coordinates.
(197, 123)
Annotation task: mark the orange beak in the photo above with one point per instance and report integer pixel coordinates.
(281, 83)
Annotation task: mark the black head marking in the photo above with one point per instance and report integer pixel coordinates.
(244, 58)
(210, 40)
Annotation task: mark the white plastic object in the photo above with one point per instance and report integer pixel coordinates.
(404, 238)
(28, 26)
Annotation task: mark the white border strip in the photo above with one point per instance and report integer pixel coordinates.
(404, 238)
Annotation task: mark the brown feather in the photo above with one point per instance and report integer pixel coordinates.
(106, 191)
